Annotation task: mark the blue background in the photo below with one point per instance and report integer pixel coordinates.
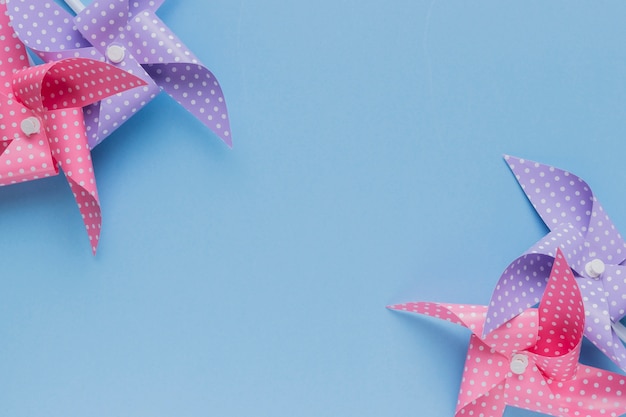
(367, 170)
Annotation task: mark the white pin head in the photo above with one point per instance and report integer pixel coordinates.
(115, 53)
(519, 363)
(595, 268)
(30, 126)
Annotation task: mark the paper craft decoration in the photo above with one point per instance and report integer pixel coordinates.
(591, 243)
(41, 120)
(129, 35)
(531, 361)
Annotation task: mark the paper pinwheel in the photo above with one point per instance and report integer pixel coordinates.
(129, 35)
(41, 120)
(593, 247)
(531, 361)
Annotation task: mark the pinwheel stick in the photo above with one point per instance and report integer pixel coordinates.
(75, 5)
(620, 330)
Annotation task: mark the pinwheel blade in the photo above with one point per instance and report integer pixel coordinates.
(531, 391)
(561, 323)
(197, 90)
(44, 26)
(137, 6)
(594, 392)
(614, 283)
(484, 372)
(520, 286)
(70, 83)
(106, 116)
(70, 151)
(466, 315)
(560, 197)
(177, 71)
(13, 56)
(102, 22)
(598, 327)
(491, 404)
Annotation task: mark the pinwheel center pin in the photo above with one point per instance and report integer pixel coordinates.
(519, 363)
(115, 53)
(30, 125)
(595, 268)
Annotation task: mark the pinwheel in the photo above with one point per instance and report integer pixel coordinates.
(531, 361)
(129, 35)
(41, 120)
(592, 245)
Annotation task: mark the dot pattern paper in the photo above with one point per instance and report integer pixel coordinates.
(151, 51)
(548, 341)
(581, 229)
(41, 120)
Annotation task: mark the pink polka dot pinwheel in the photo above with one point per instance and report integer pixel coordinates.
(592, 245)
(531, 361)
(129, 35)
(41, 120)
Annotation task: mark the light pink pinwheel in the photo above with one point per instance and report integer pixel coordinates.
(129, 35)
(594, 248)
(41, 120)
(531, 361)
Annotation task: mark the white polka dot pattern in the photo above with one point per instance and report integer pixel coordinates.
(549, 339)
(582, 230)
(41, 120)
(150, 51)
(55, 93)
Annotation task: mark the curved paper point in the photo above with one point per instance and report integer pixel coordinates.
(561, 197)
(198, 91)
(520, 286)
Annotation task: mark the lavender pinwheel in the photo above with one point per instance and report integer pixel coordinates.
(129, 35)
(592, 246)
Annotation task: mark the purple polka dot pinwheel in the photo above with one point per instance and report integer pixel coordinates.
(129, 35)
(591, 244)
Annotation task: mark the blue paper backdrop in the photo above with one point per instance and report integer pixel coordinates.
(366, 171)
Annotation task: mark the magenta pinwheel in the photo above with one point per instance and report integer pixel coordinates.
(591, 243)
(129, 35)
(41, 119)
(531, 361)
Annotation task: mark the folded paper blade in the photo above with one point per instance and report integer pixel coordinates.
(77, 83)
(101, 23)
(560, 197)
(159, 45)
(13, 56)
(519, 287)
(595, 392)
(177, 71)
(66, 132)
(614, 285)
(137, 6)
(561, 313)
(598, 324)
(567, 238)
(466, 315)
(198, 91)
(484, 374)
(552, 191)
(532, 391)
(561, 324)
(44, 32)
(489, 405)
